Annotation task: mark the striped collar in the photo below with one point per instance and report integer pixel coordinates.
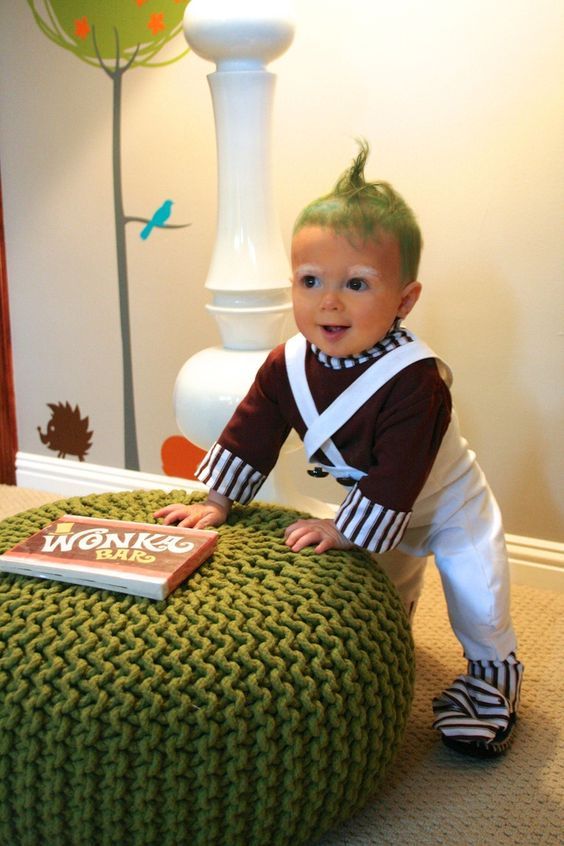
(396, 337)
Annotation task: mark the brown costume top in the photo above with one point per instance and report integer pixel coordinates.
(394, 437)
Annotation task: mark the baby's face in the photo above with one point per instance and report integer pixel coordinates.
(346, 297)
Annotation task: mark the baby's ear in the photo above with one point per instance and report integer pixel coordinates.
(409, 296)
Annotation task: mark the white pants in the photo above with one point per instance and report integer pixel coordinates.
(469, 550)
(407, 573)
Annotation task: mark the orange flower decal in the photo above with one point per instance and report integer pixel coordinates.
(156, 22)
(82, 27)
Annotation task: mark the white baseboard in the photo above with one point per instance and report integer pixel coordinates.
(534, 562)
(80, 478)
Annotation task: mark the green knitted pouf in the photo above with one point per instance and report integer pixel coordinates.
(259, 705)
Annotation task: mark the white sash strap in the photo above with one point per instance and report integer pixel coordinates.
(320, 427)
(294, 352)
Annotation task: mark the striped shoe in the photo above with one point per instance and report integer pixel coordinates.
(476, 715)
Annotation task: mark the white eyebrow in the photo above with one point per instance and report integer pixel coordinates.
(363, 270)
(307, 270)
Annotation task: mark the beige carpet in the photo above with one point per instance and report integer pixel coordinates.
(435, 796)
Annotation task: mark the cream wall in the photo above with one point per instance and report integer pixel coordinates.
(463, 106)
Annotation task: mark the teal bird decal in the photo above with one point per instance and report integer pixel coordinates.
(159, 218)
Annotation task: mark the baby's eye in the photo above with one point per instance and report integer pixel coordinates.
(357, 284)
(310, 281)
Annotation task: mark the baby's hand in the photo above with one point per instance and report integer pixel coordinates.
(213, 512)
(324, 533)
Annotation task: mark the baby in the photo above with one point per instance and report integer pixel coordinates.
(372, 405)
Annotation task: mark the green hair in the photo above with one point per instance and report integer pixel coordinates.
(357, 207)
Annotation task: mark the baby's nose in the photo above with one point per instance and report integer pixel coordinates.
(331, 300)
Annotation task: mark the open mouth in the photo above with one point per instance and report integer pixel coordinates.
(334, 330)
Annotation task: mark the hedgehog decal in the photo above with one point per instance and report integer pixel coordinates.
(67, 433)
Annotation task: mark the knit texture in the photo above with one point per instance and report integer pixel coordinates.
(260, 704)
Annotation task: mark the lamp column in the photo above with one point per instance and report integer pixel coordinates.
(249, 272)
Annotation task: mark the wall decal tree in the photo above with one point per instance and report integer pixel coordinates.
(117, 37)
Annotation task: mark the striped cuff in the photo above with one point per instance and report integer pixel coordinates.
(369, 525)
(506, 676)
(229, 475)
